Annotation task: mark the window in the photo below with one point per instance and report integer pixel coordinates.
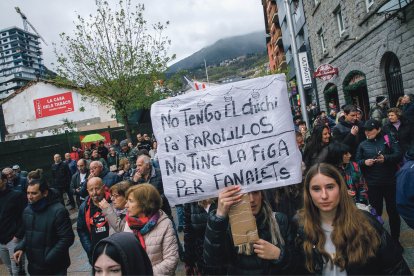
(322, 39)
(338, 14)
(369, 3)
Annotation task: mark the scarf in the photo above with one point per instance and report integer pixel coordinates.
(38, 205)
(141, 226)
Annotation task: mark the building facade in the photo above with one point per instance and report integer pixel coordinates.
(370, 42)
(20, 59)
(274, 43)
(302, 44)
(44, 109)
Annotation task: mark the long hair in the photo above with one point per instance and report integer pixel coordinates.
(314, 145)
(336, 153)
(355, 239)
(269, 220)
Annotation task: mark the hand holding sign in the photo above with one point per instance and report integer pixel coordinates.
(227, 197)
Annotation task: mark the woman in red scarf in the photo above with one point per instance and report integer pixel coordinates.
(152, 227)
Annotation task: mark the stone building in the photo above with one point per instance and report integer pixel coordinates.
(371, 42)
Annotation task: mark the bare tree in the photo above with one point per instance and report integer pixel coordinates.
(115, 57)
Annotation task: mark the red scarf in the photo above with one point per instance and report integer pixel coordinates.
(142, 226)
(88, 219)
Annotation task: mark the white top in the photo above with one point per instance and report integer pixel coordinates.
(328, 268)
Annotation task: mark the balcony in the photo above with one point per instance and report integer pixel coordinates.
(270, 4)
(279, 41)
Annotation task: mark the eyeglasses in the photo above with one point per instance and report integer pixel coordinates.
(115, 196)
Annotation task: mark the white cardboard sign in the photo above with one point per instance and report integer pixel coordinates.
(237, 133)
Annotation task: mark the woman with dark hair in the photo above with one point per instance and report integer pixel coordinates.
(336, 238)
(316, 150)
(124, 170)
(339, 155)
(120, 254)
(269, 255)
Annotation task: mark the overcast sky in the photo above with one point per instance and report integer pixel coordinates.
(194, 24)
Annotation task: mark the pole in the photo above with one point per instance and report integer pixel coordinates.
(205, 66)
(296, 64)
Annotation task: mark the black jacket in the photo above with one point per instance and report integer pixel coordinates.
(61, 175)
(75, 183)
(19, 184)
(12, 204)
(48, 236)
(404, 135)
(219, 249)
(195, 223)
(342, 133)
(379, 174)
(387, 261)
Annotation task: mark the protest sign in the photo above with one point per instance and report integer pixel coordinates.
(235, 134)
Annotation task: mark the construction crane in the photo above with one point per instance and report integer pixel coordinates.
(26, 23)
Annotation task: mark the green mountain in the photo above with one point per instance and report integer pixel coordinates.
(222, 50)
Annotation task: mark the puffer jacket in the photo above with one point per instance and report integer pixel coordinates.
(404, 135)
(195, 223)
(48, 236)
(117, 222)
(342, 133)
(387, 261)
(219, 249)
(161, 246)
(379, 174)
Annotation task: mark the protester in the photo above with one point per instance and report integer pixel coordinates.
(116, 146)
(287, 200)
(146, 173)
(124, 170)
(408, 108)
(76, 153)
(96, 157)
(102, 150)
(400, 129)
(128, 152)
(269, 255)
(62, 176)
(316, 149)
(378, 157)
(120, 254)
(152, 227)
(97, 169)
(405, 189)
(143, 143)
(17, 183)
(195, 222)
(339, 156)
(335, 238)
(349, 130)
(48, 232)
(12, 204)
(71, 163)
(19, 172)
(78, 182)
(115, 213)
(113, 159)
(92, 225)
(379, 110)
(153, 151)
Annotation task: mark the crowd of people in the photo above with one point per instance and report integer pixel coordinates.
(331, 223)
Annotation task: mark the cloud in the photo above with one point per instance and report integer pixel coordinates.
(194, 24)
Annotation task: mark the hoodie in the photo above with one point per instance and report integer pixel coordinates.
(134, 259)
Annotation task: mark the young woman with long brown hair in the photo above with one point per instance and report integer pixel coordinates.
(334, 237)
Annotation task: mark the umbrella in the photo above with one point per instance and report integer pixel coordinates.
(92, 138)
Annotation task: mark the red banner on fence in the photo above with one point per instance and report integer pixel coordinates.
(53, 105)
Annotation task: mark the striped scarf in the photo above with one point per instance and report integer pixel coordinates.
(141, 226)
